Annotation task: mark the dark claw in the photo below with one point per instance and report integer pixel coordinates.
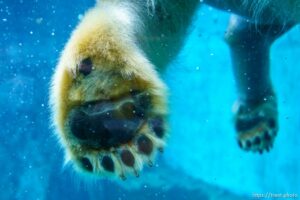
(260, 151)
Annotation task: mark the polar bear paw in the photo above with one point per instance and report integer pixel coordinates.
(108, 102)
(106, 127)
(116, 137)
(256, 125)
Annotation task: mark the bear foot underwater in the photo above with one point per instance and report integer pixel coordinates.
(109, 104)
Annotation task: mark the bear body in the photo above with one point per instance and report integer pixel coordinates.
(109, 104)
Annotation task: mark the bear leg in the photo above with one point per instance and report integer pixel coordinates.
(256, 108)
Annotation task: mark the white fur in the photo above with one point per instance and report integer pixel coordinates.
(258, 6)
(283, 10)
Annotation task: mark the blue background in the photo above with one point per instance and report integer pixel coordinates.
(202, 159)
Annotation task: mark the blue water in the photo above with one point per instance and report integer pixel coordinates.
(202, 159)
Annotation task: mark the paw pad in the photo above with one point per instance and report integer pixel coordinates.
(85, 67)
(86, 164)
(107, 164)
(116, 138)
(145, 145)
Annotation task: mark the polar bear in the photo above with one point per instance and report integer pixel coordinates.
(108, 102)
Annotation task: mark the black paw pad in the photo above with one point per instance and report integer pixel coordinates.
(257, 141)
(158, 127)
(103, 125)
(127, 158)
(145, 145)
(108, 164)
(78, 129)
(244, 125)
(240, 144)
(85, 67)
(86, 164)
(272, 123)
(248, 144)
(267, 136)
